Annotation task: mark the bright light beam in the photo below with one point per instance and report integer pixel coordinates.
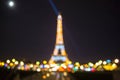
(54, 7)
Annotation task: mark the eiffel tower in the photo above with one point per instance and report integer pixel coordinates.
(59, 55)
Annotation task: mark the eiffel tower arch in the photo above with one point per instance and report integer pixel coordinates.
(59, 55)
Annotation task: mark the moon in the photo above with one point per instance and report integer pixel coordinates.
(11, 3)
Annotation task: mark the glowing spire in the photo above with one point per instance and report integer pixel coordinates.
(59, 36)
(60, 17)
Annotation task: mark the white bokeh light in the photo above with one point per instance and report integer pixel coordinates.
(11, 3)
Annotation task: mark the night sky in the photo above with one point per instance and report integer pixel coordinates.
(91, 29)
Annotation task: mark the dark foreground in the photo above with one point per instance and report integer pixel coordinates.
(30, 75)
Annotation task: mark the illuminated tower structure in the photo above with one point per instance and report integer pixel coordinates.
(59, 55)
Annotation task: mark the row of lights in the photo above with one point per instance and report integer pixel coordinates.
(107, 65)
(98, 66)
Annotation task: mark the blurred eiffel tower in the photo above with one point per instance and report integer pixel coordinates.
(59, 55)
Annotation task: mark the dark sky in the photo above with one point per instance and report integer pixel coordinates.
(91, 29)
